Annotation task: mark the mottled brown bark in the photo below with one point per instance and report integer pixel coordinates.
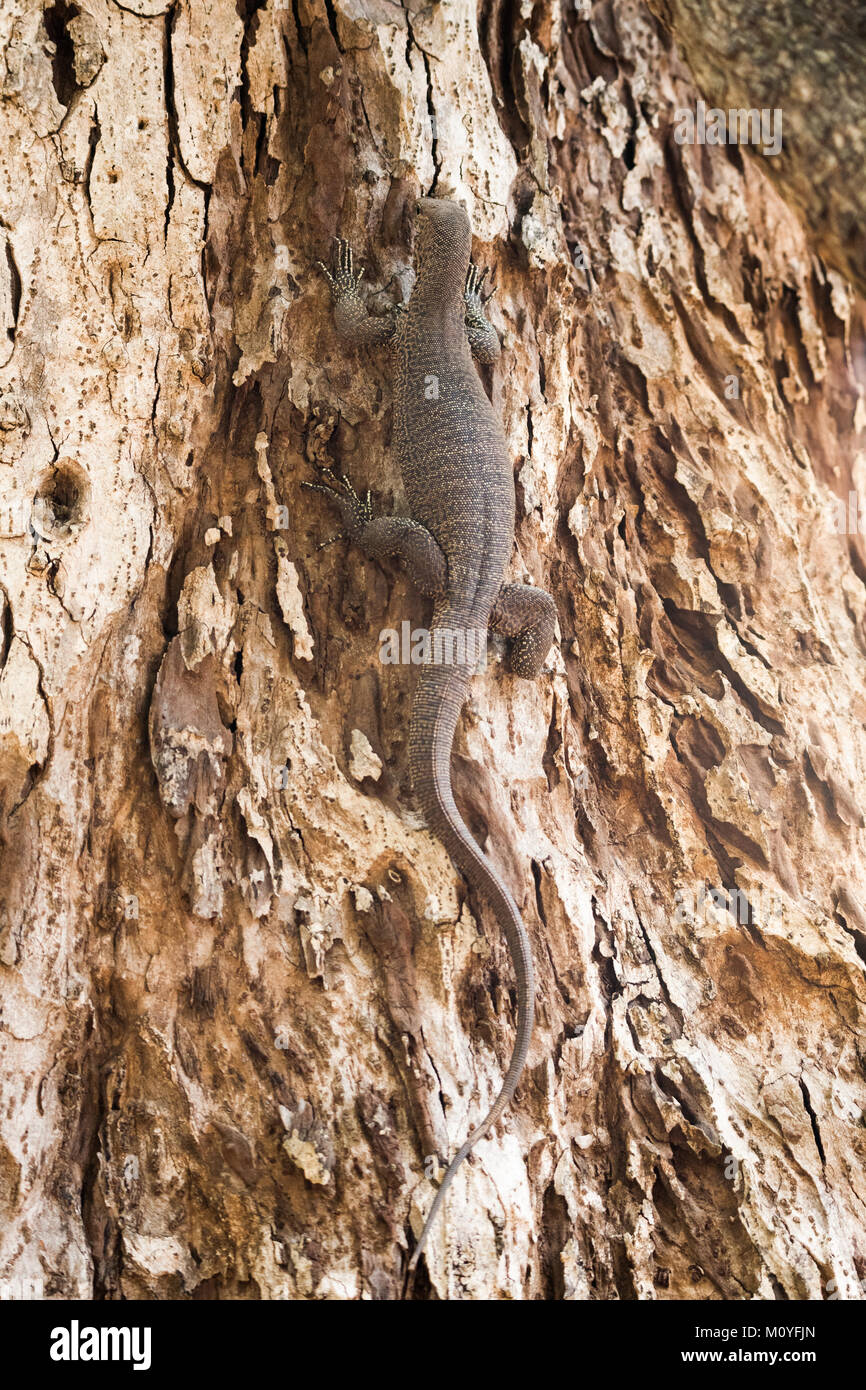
(243, 992)
(806, 60)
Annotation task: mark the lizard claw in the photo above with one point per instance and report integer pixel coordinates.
(474, 281)
(474, 292)
(344, 281)
(340, 536)
(356, 512)
(483, 339)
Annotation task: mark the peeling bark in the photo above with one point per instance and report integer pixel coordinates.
(244, 993)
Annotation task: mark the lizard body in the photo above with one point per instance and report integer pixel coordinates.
(456, 543)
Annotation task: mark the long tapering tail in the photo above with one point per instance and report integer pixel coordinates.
(438, 700)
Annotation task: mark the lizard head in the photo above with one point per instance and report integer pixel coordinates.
(443, 243)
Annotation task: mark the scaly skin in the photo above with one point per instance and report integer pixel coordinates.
(455, 544)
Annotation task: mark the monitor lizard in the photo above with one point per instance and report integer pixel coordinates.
(455, 544)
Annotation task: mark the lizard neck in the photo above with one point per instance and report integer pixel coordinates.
(439, 333)
(437, 294)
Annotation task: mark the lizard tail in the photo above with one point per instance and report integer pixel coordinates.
(438, 700)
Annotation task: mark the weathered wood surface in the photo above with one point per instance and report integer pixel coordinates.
(243, 995)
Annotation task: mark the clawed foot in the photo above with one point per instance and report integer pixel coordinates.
(356, 512)
(473, 293)
(344, 282)
(483, 338)
(352, 319)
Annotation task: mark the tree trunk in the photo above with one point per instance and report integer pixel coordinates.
(245, 996)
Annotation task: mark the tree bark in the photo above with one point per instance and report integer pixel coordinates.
(804, 60)
(244, 993)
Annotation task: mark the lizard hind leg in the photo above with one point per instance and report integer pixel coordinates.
(406, 540)
(387, 537)
(527, 616)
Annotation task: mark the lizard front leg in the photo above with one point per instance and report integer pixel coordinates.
(527, 616)
(483, 338)
(351, 316)
(387, 537)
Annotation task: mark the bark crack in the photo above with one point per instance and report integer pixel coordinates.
(431, 107)
(813, 1119)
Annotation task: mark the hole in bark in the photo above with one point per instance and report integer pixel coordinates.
(556, 1233)
(56, 23)
(539, 901)
(14, 290)
(7, 632)
(61, 507)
